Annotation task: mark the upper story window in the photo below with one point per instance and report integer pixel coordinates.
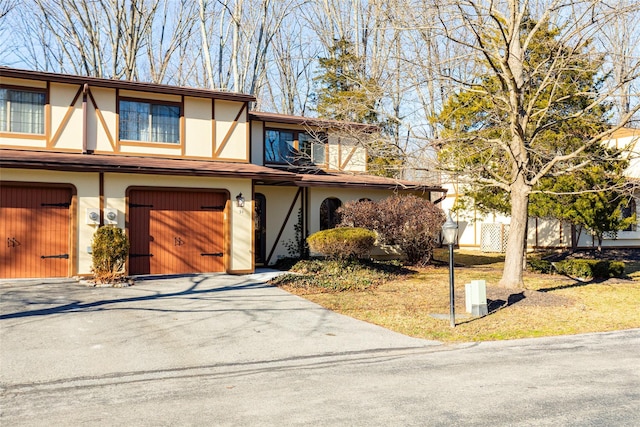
(22, 111)
(149, 122)
(295, 147)
(279, 146)
(314, 147)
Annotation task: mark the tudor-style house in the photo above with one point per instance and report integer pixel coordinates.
(199, 182)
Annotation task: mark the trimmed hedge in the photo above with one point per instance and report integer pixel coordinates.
(590, 268)
(343, 242)
(540, 266)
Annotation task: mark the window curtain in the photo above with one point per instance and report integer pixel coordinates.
(134, 121)
(165, 123)
(22, 111)
(3, 110)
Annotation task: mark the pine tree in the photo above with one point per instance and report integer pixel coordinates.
(347, 94)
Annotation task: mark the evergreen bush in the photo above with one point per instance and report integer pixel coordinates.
(110, 250)
(540, 266)
(590, 268)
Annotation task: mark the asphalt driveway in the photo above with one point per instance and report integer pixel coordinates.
(230, 350)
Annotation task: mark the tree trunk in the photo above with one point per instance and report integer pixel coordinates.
(514, 260)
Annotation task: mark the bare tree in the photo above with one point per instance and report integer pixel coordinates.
(241, 35)
(167, 41)
(525, 98)
(103, 38)
(288, 86)
(620, 40)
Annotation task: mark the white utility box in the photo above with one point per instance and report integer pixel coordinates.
(476, 297)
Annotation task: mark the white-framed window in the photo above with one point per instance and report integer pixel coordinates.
(22, 111)
(314, 147)
(149, 122)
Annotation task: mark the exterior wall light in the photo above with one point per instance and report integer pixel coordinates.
(240, 200)
(449, 231)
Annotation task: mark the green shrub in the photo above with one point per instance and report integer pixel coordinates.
(540, 266)
(589, 268)
(616, 268)
(110, 249)
(343, 243)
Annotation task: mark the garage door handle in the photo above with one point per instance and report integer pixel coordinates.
(138, 255)
(213, 254)
(62, 256)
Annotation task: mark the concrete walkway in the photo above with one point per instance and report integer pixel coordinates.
(230, 350)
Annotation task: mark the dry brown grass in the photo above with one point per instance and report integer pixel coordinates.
(549, 305)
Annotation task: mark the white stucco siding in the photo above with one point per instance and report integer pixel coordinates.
(257, 142)
(334, 153)
(231, 131)
(631, 150)
(124, 93)
(198, 127)
(102, 135)
(278, 203)
(66, 119)
(352, 155)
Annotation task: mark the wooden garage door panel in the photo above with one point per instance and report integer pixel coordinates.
(176, 232)
(35, 227)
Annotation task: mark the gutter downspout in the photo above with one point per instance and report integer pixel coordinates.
(85, 130)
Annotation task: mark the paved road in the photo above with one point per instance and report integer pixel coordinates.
(223, 350)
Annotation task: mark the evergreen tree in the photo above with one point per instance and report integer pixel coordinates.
(592, 199)
(347, 94)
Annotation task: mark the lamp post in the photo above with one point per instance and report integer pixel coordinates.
(449, 231)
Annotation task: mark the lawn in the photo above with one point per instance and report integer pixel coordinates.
(415, 302)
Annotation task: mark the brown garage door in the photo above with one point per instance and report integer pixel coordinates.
(35, 228)
(176, 232)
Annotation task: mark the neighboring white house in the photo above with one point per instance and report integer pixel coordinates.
(489, 233)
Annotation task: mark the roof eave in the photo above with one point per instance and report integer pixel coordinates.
(124, 84)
